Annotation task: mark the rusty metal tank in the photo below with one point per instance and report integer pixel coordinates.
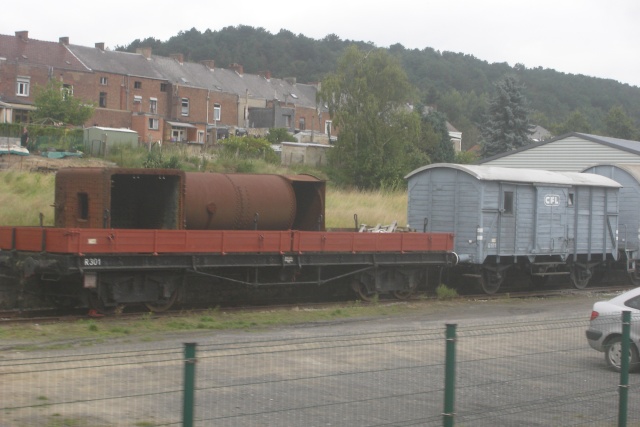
(216, 201)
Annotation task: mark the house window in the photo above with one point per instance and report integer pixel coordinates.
(153, 105)
(137, 99)
(327, 127)
(287, 121)
(163, 87)
(153, 124)
(67, 91)
(301, 123)
(185, 106)
(137, 85)
(570, 200)
(22, 86)
(103, 100)
(508, 202)
(200, 136)
(21, 116)
(216, 112)
(103, 81)
(83, 206)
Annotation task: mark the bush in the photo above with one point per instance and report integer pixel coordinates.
(443, 292)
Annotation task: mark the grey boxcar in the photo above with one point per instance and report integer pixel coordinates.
(546, 223)
(628, 175)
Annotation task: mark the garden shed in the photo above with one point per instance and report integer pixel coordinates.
(570, 152)
(98, 141)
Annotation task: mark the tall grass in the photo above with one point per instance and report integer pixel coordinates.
(371, 207)
(24, 195)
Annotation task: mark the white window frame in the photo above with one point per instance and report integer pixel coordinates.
(185, 106)
(137, 99)
(23, 85)
(201, 136)
(67, 90)
(154, 124)
(103, 81)
(327, 127)
(153, 105)
(217, 112)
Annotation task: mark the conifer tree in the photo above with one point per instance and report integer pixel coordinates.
(508, 126)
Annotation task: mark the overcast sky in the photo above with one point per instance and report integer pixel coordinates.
(592, 37)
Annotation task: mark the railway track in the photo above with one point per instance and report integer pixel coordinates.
(48, 315)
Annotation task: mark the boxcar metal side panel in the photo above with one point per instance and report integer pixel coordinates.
(629, 201)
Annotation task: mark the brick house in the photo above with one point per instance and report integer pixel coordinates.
(161, 98)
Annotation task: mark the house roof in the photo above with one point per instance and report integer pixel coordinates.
(38, 52)
(621, 144)
(196, 75)
(536, 176)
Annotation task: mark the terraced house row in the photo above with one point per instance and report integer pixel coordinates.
(161, 98)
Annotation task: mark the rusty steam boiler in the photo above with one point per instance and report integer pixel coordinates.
(172, 199)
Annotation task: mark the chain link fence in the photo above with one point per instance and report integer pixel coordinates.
(537, 373)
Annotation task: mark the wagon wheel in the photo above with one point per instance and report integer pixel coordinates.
(363, 293)
(163, 304)
(580, 276)
(404, 294)
(490, 281)
(634, 275)
(96, 303)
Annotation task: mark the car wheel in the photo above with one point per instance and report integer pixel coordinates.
(613, 355)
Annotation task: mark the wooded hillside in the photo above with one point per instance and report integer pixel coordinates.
(458, 84)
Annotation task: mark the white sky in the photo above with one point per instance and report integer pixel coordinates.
(592, 37)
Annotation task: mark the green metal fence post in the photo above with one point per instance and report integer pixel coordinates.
(623, 388)
(189, 384)
(450, 377)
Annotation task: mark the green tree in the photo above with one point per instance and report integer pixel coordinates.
(619, 124)
(379, 135)
(435, 136)
(55, 103)
(508, 126)
(576, 122)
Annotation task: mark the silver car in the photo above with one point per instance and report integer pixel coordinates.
(605, 328)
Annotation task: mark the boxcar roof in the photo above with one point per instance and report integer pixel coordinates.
(534, 176)
(630, 168)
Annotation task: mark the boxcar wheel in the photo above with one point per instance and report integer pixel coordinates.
(490, 281)
(613, 355)
(634, 276)
(580, 276)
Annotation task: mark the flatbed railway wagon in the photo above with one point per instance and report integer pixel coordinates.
(539, 222)
(247, 240)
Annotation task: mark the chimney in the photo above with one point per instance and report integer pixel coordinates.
(22, 35)
(144, 51)
(237, 68)
(177, 57)
(265, 74)
(209, 63)
(64, 41)
(100, 46)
